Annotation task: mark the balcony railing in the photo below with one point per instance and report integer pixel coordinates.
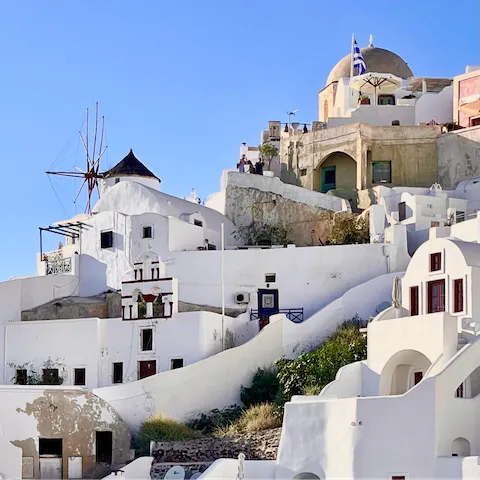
(60, 266)
(295, 315)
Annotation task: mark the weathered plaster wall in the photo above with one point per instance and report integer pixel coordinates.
(104, 306)
(458, 156)
(411, 149)
(30, 413)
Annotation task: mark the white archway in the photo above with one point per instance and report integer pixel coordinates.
(402, 372)
(461, 447)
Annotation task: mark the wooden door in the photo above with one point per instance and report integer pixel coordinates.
(147, 368)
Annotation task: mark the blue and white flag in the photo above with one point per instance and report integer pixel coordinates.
(359, 67)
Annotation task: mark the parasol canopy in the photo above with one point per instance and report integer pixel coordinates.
(470, 105)
(376, 83)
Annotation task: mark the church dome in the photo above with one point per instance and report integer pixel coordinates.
(377, 60)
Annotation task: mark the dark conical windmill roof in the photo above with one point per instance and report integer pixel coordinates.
(130, 165)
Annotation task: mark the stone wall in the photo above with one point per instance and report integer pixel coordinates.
(256, 446)
(250, 209)
(101, 306)
(458, 156)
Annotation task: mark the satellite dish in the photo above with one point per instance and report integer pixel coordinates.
(175, 473)
(195, 476)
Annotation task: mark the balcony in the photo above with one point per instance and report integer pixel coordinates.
(295, 315)
(59, 267)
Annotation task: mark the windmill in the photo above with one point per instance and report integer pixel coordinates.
(91, 174)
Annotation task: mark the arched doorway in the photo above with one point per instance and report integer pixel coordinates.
(402, 372)
(461, 447)
(338, 171)
(306, 476)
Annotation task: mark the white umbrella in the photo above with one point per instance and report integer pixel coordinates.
(375, 82)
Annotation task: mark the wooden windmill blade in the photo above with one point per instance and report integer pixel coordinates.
(92, 174)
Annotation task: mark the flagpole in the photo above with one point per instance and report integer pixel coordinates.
(351, 74)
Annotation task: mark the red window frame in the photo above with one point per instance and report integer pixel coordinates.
(435, 262)
(436, 296)
(413, 301)
(458, 295)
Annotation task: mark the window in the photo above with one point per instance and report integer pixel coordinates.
(382, 172)
(435, 262)
(147, 232)
(270, 277)
(459, 216)
(50, 376)
(413, 301)
(458, 295)
(117, 180)
(106, 239)
(118, 372)
(303, 172)
(146, 339)
(386, 100)
(417, 377)
(198, 223)
(176, 363)
(79, 375)
(435, 224)
(459, 392)
(474, 122)
(21, 376)
(402, 211)
(436, 296)
(104, 447)
(50, 446)
(141, 307)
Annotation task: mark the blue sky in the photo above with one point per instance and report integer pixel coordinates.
(183, 83)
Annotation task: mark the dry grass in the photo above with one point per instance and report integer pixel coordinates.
(255, 419)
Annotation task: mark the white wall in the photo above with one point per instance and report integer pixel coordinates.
(10, 460)
(149, 182)
(212, 383)
(377, 115)
(26, 293)
(184, 236)
(435, 106)
(363, 300)
(95, 344)
(308, 277)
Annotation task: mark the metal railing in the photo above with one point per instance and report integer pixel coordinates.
(295, 315)
(60, 266)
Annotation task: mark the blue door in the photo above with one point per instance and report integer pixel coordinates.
(328, 179)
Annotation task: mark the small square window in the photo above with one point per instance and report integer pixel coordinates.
(50, 376)
(270, 277)
(435, 262)
(106, 239)
(21, 376)
(146, 339)
(118, 372)
(147, 232)
(303, 172)
(382, 172)
(79, 376)
(176, 363)
(198, 223)
(117, 180)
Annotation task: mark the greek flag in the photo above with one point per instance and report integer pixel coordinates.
(359, 66)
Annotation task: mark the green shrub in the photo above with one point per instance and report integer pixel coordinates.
(310, 372)
(207, 423)
(255, 419)
(264, 389)
(161, 429)
(349, 229)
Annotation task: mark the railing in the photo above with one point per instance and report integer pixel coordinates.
(295, 315)
(59, 267)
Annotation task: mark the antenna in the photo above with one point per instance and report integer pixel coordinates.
(90, 175)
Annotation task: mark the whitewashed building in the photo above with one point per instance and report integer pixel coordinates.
(409, 410)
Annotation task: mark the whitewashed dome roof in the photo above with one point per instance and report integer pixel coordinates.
(377, 60)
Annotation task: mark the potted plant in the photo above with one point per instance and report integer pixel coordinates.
(267, 153)
(364, 100)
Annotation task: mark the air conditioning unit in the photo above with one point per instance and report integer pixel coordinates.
(242, 297)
